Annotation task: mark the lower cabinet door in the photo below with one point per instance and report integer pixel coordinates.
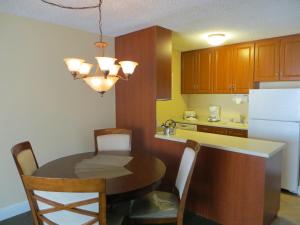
(206, 129)
(222, 131)
(237, 132)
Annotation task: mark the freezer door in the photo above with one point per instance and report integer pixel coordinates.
(275, 104)
(288, 132)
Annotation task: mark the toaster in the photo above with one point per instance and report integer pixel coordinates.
(189, 115)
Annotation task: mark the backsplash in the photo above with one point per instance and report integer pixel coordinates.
(229, 109)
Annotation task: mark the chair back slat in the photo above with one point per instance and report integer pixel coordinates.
(64, 184)
(36, 185)
(112, 139)
(53, 203)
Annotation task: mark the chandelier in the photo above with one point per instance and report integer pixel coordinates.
(106, 71)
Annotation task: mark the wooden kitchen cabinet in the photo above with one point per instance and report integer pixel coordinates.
(243, 65)
(237, 132)
(233, 68)
(267, 57)
(204, 75)
(196, 71)
(156, 58)
(163, 62)
(290, 58)
(236, 68)
(222, 70)
(188, 69)
(206, 129)
(222, 131)
(277, 59)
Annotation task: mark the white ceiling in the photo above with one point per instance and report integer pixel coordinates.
(243, 19)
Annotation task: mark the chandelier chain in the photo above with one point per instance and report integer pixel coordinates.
(100, 20)
(82, 7)
(70, 7)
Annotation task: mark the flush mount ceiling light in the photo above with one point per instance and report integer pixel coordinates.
(216, 39)
(106, 72)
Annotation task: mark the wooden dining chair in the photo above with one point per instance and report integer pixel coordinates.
(26, 163)
(69, 201)
(160, 207)
(112, 139)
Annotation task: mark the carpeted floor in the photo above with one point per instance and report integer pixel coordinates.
(26, 219)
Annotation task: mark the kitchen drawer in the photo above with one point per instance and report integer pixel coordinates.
(207, 129)
(237, 132)
(222, 131)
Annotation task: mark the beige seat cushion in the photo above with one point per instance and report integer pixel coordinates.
(27, 162)
(184, 169)
(114, 142)
(155, 205)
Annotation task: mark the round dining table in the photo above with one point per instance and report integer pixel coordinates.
(146, 174)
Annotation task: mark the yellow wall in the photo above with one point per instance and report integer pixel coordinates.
(173, 108)
(40, 101)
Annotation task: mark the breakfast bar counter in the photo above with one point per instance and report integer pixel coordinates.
(237, 181)
(249, 146)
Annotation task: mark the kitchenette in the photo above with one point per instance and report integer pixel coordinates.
(207, 95)
(246, 119)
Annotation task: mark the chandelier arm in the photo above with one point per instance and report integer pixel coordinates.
(71, 7)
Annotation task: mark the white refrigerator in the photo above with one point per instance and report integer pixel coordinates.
(274, 114)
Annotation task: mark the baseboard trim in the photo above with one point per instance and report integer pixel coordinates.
(13, 210)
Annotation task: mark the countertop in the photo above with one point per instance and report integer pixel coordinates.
(249, 146)
(203, 121)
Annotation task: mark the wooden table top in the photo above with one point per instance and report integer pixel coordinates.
(147, 172)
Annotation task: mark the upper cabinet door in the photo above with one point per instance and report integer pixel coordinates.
(203, 75)
(290, 58)
(163, 57)
(189, 61)
(267, 55)
(243, 66)
(222, 70)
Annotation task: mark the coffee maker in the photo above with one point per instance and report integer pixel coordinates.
(214, 113)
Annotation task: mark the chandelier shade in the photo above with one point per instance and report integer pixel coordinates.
(105, 63)
(114, 70)
(128, 67)
(73, 64)
(101, 84)
(85, 68)
(106, 73)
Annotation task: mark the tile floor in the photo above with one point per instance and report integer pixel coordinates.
(289, 213)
